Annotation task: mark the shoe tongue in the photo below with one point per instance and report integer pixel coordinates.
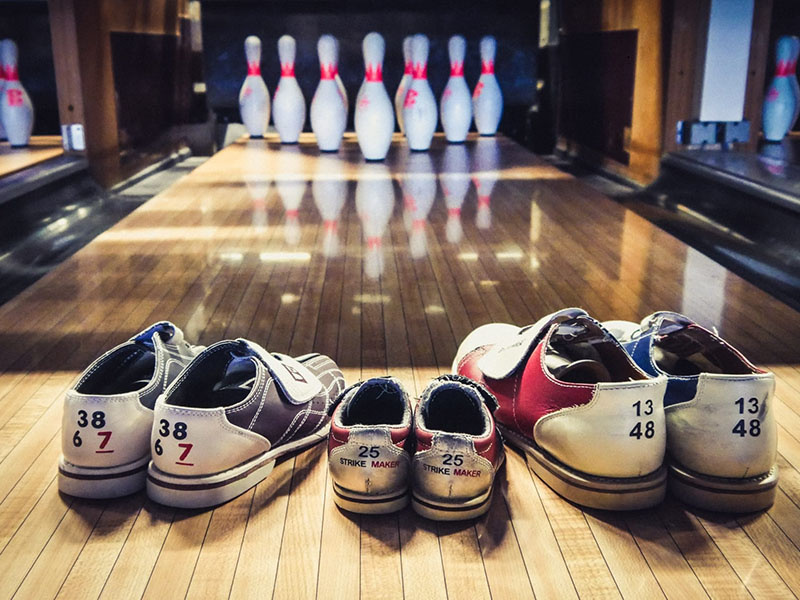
(576, 371)
(666, 321)
(299, 385)
(166, 331)
(571, 355)
(505, 358)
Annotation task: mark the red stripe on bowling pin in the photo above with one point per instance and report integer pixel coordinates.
(253, 69)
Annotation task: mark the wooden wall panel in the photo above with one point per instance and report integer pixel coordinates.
(757, 69)
(647, 121)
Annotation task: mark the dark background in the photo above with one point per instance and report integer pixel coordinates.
(514, 24)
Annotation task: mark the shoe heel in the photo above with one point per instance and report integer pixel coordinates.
(102, 483)
(438, 510)
(369, 504)
(722, 494)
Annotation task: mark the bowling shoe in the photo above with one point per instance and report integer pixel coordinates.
(368, 447)
(574, 400)
(108, 414)
(721, 432)
(458, 450)
(220, 426)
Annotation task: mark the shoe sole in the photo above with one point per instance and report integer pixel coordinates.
(606, 493)
(366, 504)
(722, 494)
(203, 491)
(102, 482)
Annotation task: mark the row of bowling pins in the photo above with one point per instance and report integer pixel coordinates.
(374, 117)
(375, 195)
(16, 108)
(782, 101)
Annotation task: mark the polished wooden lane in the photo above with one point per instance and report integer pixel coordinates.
(40, 149)
(384, 268)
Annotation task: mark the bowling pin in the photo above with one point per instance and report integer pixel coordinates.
(16, 109)
(419, 192)
(288, 105)
(374, 118)
(487, 99)
(456, 103)
(419, 108)
(338, 79)
(329, 189)
(454, 178)
(780, 101)
(400, 95)
(3, 135)
(793, 77)
(485, 176)
(328, 112)
(254, 95)
(374, 206)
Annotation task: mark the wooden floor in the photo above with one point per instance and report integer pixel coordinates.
(40, 149)
(351, 266)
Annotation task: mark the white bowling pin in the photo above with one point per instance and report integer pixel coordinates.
(487, 99)
(454, 178)
(374, 119)
(328, 113)
(329, 189)
(338, 79)
(485, 176)
(254, 95)
(780, 101)
(2, 87)
(456, 103)
(400, 95)
(16, 109)
(419, 192)
(793, 78)
(374, 205)
(419, 108)
(288, 105)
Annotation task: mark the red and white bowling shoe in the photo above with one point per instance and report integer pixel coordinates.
(458, 450)
(574, 400)
(368, 453)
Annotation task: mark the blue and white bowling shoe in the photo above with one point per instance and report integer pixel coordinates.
(720, 414)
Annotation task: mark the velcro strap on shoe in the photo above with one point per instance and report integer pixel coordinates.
(298, 383)
(504, 359)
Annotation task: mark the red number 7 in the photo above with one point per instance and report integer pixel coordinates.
(106, 435)
(186, 449)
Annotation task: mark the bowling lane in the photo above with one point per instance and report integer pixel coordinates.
(385, 266)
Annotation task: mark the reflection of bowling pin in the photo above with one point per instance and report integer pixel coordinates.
(487, 99)
(374, 118)
(419, 192)
(329, 188)
(288, 106)
(456, 103)
(773, 157)
(485, 176)
(400, 95)
(16, 109)
(254, 95)
(454, 178)
(374, 205)
(419, 107)
(328, 113)
(290, 183)
(256, 179)
(780, 101)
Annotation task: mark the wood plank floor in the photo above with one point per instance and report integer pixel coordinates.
(40, 149)
(385, 268)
